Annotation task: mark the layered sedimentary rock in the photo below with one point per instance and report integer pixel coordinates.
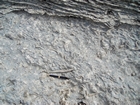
(92, 48)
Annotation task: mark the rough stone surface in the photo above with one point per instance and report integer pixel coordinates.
(99, 40)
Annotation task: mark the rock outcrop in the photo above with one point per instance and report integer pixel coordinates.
(91, 47)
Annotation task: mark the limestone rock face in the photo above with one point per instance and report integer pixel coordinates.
(91, 47)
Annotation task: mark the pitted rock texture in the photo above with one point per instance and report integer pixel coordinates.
(99, 40)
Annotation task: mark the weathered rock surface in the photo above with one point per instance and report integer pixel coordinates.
(99, 40)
